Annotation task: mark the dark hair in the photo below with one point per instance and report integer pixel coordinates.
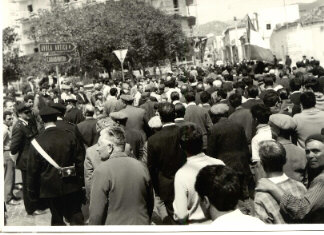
(308, 100)
(248, 81)
(222, 93)
(167, 112)
(268, 80)
(190, 96)
(295, 84)
(191, 139)
(252, 91)
(6, 113)
(28, 97)
(272, 155)
(235, 100)
(184, 89)
(283, 94)
(313, 83)
(261, 113)
(205, 97)
(175, 96)
(180, 110)
(221, 185)
(113, 91)
(271, 98)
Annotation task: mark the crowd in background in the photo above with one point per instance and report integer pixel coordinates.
(226, 144)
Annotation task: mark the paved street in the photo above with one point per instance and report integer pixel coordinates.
(17, 216)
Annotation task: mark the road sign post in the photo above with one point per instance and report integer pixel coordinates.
(121, 55)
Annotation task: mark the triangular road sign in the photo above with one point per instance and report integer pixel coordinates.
(121, 54)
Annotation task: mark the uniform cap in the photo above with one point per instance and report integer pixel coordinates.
(48, 111)
(59, 107)
(219, 109)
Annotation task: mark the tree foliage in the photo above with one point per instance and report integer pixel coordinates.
(97, 30)
(11, 59)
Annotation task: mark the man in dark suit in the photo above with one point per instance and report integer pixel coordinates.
(295, 86)
(304, 62)
(136, 116)
(87, 127)
(29, 86)
(165, 157)
(148, 106)
(50, 80)
(81, 96)
(73, 114)
(199, 116)
(252, 92)
(62, 191)
(227, 142)
(22, 133)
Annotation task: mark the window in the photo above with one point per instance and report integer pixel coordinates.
(268, 26)
(175, 3)
(30, 8)
(35, 49)
(66, 1)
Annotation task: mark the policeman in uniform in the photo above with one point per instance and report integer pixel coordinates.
(62, 188)
(23, 132)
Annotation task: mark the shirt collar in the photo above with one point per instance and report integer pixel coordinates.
(191, 103)
(179, 119)
(199, 155)
(59, 119)
(168, 124)
(279, 179)
(23, 121)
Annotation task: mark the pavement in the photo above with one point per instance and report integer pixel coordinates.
(17, 216)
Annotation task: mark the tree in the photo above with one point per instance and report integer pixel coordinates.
(98, 29)
(10, 54)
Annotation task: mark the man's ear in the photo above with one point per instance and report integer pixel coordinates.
(206, 202)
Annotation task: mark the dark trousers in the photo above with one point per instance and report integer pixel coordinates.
(30, 206)
(67, 206)
(9, 177)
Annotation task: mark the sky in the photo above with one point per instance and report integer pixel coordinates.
(207, 10)
(223, 10)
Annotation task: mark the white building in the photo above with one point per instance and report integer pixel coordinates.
(266, 20)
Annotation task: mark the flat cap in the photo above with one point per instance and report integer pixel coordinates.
(118, 115)
(318, 137)
(219, 109)
(20, 108)
(282, 121)
(155, 122)
(127, 97)
(59, 107)
(48, 111)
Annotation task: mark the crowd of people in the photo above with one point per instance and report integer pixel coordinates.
(235, 144)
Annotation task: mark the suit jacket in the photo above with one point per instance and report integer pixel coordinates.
(295, 166)
(88, 131)
(135, 139)
(251, 102)
(27, 88)
(82, 98)
(22, 135)
(136, 119)
(148, 106)
(43, 179)
(199, 116)
(227, 142)
(244, 118)
(121, 193)
(164, 158)
(91, 162)
(74, 115)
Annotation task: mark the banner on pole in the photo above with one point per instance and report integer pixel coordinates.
(121, 54)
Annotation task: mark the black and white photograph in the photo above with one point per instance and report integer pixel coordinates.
(162, 115)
